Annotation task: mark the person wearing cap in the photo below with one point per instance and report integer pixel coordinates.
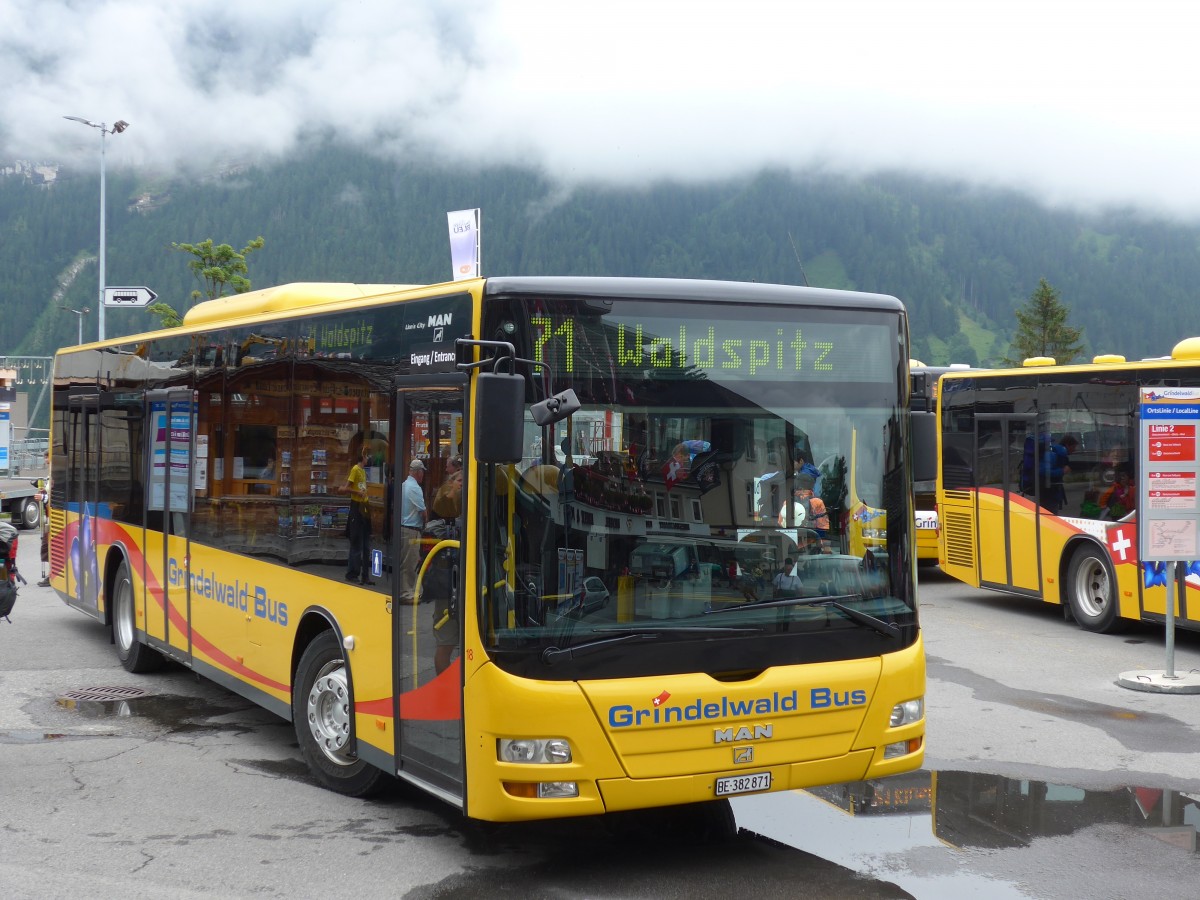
(412, 519)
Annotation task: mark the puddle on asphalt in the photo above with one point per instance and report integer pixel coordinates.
(173, 712)
(917, 831)
(37, 737)
(871, 826)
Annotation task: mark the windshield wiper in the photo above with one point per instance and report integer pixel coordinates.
(551, 655)
(887, 629)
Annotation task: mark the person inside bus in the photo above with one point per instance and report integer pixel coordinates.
(439, 584)
(1056, 464)
(804, 466)
(1120, 498)
(447, 502)
(808, 510)
(358, 524)
(412, 520)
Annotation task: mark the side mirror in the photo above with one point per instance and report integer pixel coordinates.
(555, 409)
(499, 418)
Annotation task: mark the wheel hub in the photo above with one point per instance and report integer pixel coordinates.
(329, 713)
(1091, 587)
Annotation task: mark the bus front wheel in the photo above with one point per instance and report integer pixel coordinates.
(323, 714)
(1092, 591)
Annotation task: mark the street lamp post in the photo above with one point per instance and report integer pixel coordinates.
(81, 313)
(117, 127)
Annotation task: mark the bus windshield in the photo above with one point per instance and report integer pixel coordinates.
(726, 457)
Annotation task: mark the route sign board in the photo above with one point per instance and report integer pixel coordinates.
(1168, 501)
(129, 296)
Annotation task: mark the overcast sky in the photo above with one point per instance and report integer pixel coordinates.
(1081, 103)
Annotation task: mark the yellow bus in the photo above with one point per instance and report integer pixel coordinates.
(1037, 486)
(923, 395)
(589, 614)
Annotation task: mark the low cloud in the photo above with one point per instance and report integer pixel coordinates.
(1082, 104)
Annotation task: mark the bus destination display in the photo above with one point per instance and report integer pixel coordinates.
(723, 350)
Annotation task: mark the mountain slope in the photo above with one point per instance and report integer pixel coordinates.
(961, 258)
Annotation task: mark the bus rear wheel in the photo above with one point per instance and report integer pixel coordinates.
(1092, 591)
(323, 715)
(134, 655)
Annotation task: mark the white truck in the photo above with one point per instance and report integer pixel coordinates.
(23, 500)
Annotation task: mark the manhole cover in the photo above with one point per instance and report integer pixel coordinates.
(105, 693)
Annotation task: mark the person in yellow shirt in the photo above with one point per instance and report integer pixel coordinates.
(358, 526)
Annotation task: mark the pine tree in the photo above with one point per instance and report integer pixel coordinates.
(1042, 329)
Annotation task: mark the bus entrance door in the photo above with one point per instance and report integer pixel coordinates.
(82, 442)
(427, 598)
(169, 490)
(1008, 546)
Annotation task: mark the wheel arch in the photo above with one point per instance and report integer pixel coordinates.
(1109, 621)
(1073, 546)
(314, 621)
(117, 554)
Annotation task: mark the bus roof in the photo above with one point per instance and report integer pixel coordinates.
(301, 296)
(283, 298)
(684, 289)
(1100, 366)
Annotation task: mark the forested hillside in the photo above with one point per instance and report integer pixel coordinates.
(961, 258)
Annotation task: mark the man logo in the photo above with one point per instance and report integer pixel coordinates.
(745, 733)
(743, 754)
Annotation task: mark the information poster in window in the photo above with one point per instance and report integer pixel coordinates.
(158, 454)
(183, 421)
(171, 454)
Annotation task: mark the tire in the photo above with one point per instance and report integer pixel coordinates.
(1092, 592)
(323, 715)
(30, 516)
(134, 655)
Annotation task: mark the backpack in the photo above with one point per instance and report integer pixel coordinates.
(8, 573)
(8, 598)
(815, 514)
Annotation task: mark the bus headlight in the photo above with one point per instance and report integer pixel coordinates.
(876, 534)
(533, 750)
(907, 712)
